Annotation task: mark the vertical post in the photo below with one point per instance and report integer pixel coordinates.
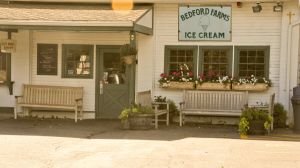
(132, 36)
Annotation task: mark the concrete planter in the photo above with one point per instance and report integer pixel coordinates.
(141, 121)
(256, 127)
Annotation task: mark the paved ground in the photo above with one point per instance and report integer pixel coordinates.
(92, 143)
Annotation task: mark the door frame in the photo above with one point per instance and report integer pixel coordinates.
(97, 77)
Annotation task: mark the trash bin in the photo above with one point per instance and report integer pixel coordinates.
(296, 107)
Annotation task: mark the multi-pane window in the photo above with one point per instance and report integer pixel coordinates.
(252, 61)
(180, 55)
(77, 61)
(3, 67)
(215, 60)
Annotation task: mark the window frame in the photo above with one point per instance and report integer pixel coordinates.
(201, 57)
(237, 58)
(65, 48)
(8, 67)
(168, 49)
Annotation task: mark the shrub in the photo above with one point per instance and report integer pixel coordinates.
(134, 110)
(279, 116)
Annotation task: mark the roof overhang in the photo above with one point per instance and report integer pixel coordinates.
(75, 18)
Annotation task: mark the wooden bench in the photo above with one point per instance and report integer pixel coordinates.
(145, 99)
(212, 103)
(51, 97)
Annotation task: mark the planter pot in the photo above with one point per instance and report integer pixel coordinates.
(259, 87)
(125, 124)
(128, 59)
(213, 86)
(141, 121)
(256, 127)
(179, 85)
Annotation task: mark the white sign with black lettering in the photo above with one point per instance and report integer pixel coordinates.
(210, 23)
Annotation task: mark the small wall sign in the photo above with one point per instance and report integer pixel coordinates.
(200, 23)
(8, 46)
(47, 59)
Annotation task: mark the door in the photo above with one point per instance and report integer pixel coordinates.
(112, 84)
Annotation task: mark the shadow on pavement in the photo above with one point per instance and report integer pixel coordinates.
(111, 129)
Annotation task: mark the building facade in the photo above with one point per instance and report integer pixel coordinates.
(164, 41)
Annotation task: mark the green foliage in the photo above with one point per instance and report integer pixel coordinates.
(243, 126)
(253, 114)
(135, 110)
(173, 108)
(127, 50)
(280, 116)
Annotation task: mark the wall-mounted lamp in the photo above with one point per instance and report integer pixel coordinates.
(257, 8)
(278, 8)
(239, 4)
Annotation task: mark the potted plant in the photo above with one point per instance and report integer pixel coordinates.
(137, 117)
(181, 79)
(254, 121)
(212, 81)
(251, 83)
(128, 53)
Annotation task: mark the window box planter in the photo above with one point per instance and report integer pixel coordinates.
(213, 86)
(258, 87)
(179, 85)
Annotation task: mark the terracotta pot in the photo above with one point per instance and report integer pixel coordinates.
(259, 87)
(213, 86)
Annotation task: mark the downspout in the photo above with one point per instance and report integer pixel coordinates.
(289, 52)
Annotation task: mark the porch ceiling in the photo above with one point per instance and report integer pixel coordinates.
(90, 17)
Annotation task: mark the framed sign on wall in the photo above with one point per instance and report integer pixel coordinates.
(47, 59)
(204, 23)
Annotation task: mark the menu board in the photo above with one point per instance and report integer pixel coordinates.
(47, 59)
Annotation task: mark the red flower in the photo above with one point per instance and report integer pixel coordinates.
(191, 74)
(174, 73)
(163, 75)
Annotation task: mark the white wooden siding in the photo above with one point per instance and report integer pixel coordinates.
(248, 28)
(60, 37)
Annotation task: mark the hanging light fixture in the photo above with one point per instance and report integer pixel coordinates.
(257, 8)
(122, 4)
(278, 7)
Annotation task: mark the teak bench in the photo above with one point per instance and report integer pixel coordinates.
(212, 103)
(51, 97)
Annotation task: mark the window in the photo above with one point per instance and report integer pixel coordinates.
(215, 59)
(77, 61)
(252, 61)
(3, 67)
(179, 55)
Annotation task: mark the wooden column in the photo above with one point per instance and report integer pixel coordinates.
(132, 36)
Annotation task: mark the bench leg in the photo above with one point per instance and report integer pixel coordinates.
(168, 117)
(81, 113)
(15, 112)
(180, 119)
(76, 111)
(156, 121)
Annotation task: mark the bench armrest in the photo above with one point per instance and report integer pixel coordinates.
(16, 97)
(79, 99)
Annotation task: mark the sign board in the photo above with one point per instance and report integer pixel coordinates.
(8, 46)
(47, 59)
(200, 23)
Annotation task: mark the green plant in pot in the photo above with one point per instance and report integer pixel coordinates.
(254, 121)
(280, 116)
(137, 117)
(128, 53)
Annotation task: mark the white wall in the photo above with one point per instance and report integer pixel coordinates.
(59, 37)
(19, 66)
(248, 28)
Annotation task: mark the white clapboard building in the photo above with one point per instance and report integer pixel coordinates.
(77, 43)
